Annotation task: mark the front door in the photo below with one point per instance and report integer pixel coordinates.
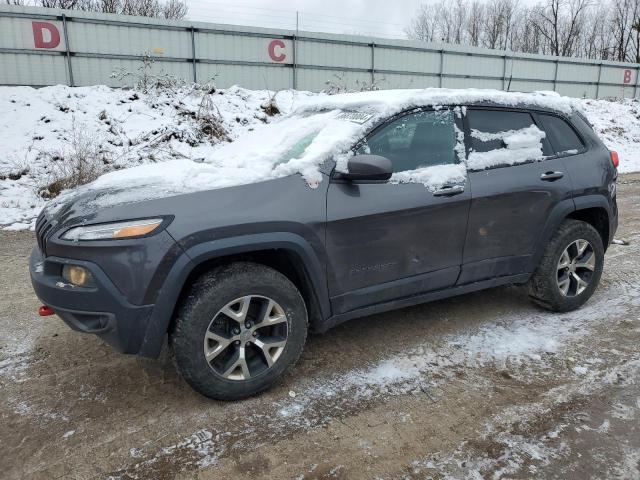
(404, 237)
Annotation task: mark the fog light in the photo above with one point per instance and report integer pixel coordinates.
(76, 275)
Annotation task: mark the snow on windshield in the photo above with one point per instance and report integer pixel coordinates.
(297, 144)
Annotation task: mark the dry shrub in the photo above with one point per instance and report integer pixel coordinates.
(80, 162)
(270, 107)
(144, 79)
(210, 120)
(339, 84)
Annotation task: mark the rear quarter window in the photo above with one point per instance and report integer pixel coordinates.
(564, 139)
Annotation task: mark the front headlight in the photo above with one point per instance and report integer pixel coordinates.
(112, 231)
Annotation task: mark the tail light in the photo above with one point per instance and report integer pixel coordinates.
(614, 159)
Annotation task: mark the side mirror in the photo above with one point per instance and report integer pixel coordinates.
(368, 167)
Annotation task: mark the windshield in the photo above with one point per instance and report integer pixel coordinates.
(306, 138)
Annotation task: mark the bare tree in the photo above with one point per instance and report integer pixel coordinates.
(174, 9)
(143, 8)
(607, 30)
(171, 9)
(624, 16)
(475, 23)
(494, 25)
(423, 27)
(597, 36)
(68, 4)
(458, 20)
(509, 10)
(109, 6)
(524, 36)
(446, 16)
(561, 22)
(499, 23)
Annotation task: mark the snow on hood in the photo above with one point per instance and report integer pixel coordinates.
(320, 128)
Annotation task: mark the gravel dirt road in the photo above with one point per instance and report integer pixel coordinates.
(481, 386)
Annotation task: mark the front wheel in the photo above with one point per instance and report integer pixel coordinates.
(570, 269)
(238, 331)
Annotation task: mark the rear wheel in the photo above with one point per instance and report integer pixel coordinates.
(570, 269)
(238, 331)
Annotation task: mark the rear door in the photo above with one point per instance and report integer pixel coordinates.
(513, 191)
(389, 240)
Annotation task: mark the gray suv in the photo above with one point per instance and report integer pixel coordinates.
(434, 202)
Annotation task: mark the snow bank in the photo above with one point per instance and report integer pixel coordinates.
(617, 123)
(163, 133)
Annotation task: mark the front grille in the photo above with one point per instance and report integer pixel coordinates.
(44, 230)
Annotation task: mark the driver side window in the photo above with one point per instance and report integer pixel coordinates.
(417, 140)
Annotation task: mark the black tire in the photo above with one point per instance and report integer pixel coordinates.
(543, 285)
(208, 296)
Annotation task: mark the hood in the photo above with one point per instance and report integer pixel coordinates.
(233, 204)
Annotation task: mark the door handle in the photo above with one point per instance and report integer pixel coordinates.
(551, 176)
(449, 190)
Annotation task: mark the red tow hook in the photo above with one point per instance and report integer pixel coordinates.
(45, 311)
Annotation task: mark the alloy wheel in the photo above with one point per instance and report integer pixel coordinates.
(246, 337)
(575, 268)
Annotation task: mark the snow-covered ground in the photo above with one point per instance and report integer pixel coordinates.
(618, 125)
(40, 130)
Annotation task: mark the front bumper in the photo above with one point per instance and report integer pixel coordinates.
(100, 309)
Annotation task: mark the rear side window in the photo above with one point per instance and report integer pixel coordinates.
(494, 122)
(563, 137)
(416, 140)
(501, 138)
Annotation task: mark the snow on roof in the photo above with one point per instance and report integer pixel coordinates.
(388, 102)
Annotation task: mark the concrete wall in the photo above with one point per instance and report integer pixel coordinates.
(48, 46)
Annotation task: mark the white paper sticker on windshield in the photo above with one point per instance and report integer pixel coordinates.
(357, 117)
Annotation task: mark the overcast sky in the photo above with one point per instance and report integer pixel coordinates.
(385, 17)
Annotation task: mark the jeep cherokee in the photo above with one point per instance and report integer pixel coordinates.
(408, 197)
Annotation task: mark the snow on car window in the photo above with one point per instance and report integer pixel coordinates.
(434, 177)
(423, 146)
(519, 146)
(415, 140)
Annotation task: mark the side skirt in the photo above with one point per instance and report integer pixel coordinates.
(335, 320)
